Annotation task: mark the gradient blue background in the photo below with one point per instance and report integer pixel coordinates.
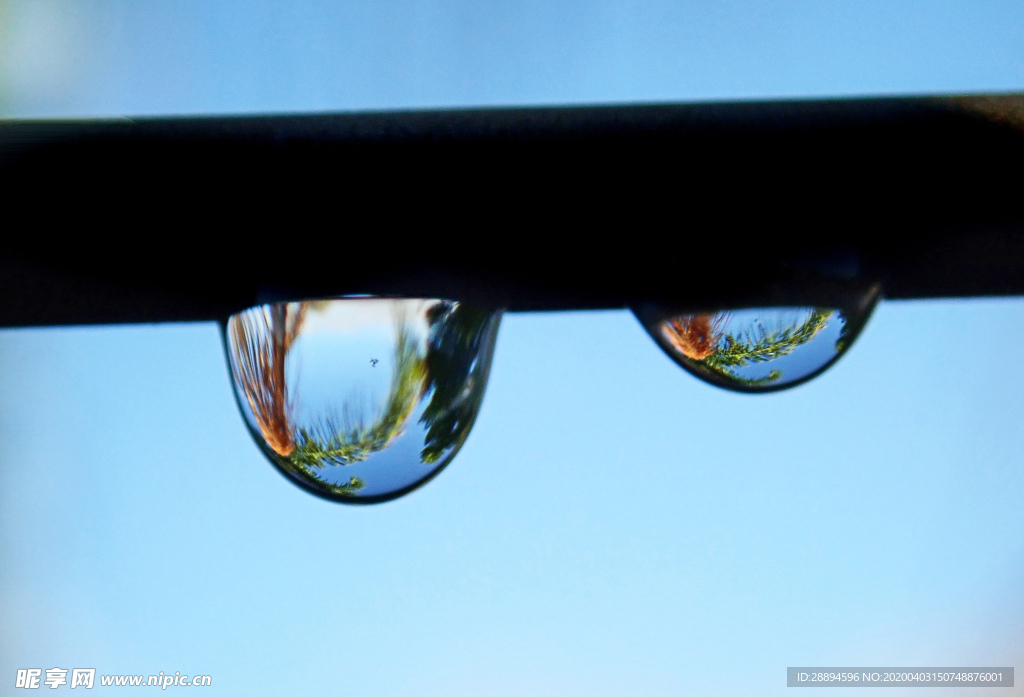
(612, 526)
(63, 57)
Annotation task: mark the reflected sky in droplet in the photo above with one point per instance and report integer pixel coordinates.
(361, 400)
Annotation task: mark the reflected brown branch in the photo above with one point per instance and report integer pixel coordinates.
(695, 336)
(260, 340)
(440, 354)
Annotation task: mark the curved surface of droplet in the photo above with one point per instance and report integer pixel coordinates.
(360, 400)
(759, 349)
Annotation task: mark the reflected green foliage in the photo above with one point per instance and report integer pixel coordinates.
(771, 377)
(847, 334)
(351, 488)
(349, 440)
(760, 349)
(441, 356)
(760, 346)
(457, 358)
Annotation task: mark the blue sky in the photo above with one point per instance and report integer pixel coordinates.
(59, 57)
(612, 526)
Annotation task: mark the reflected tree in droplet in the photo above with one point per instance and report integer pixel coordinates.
(309, 385)
(759, 349)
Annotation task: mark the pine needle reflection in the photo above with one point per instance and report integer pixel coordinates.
(757, 349)
(439, 362)
(342, 442)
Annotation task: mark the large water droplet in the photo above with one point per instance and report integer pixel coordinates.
(361, 400)
(758, 349)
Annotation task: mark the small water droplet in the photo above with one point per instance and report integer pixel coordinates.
(360, 400)
(759, 349)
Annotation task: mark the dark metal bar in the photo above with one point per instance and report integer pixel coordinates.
(709, 205)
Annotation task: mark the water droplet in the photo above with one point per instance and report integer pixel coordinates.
(759, 349)
(361, 400)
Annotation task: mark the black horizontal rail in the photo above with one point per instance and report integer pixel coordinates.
(709, 205)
